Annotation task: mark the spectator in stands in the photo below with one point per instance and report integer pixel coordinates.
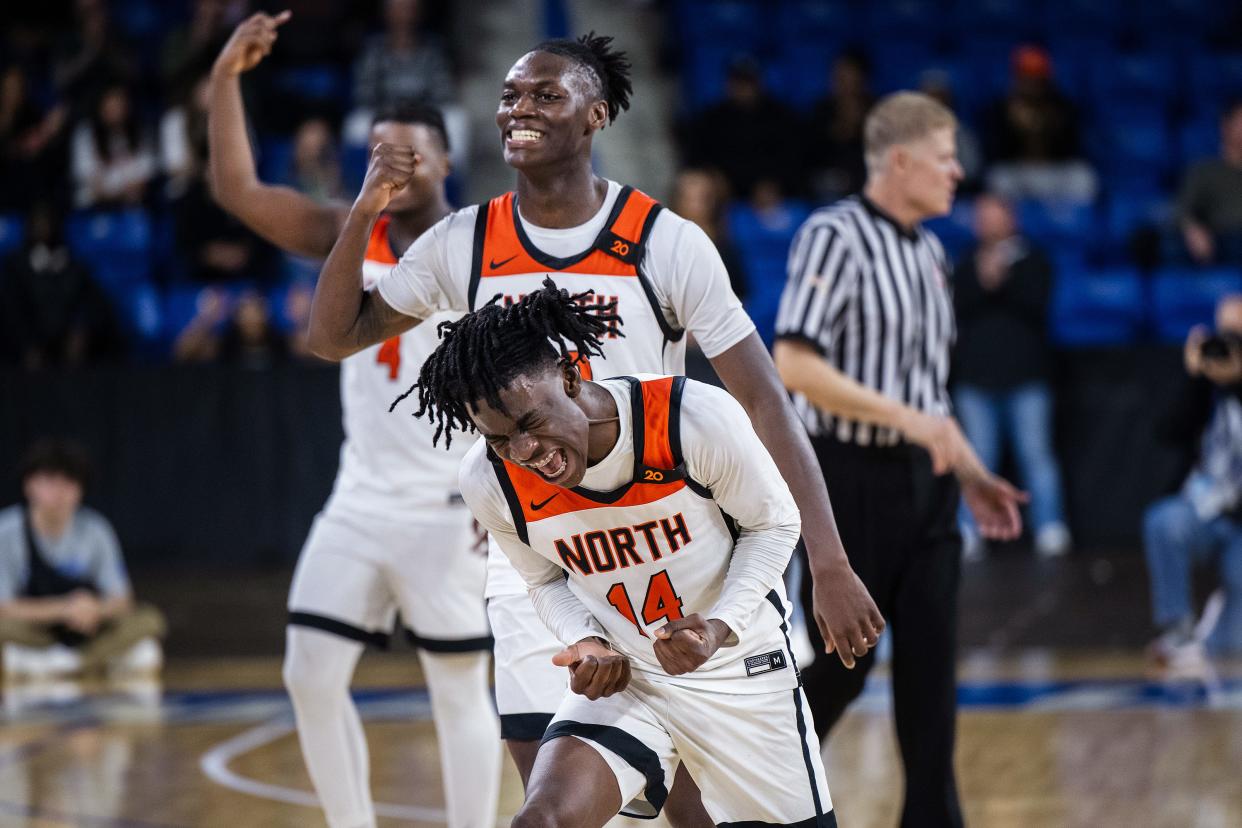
(248, 338)
(749, 136)
(1003, 364)
(113, 160)
(66, 604)
(1032, 136)
(1209, 206)
(31, 143)
(700, 196)
(51, 311)
(316, 165)
(90, 58)
(834, 131)
(402, 63)
(937, 84)
(183, 141)
(1204, 519)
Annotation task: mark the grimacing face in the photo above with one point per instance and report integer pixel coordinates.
(545, 429)
(433, 166)
(548, 111)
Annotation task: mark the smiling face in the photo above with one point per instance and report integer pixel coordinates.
(543, 427)
(549, 110)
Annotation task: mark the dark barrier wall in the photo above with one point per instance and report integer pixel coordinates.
(226, 466)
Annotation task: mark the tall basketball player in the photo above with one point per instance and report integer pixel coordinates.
(394, 535)
(588, 233)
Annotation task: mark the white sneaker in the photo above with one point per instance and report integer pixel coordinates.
(40, 662)
(145, 657)
(1053, 540)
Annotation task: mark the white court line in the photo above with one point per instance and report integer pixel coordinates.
(215, 764)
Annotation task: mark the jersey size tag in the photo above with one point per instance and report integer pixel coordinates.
(766, 663)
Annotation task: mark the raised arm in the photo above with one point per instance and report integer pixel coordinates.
(282, 215)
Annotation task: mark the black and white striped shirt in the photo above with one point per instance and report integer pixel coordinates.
(874, 300)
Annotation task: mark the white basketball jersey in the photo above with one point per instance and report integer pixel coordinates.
(388, 463)
(655, 550)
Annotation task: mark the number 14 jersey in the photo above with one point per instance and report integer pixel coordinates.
(686, 514)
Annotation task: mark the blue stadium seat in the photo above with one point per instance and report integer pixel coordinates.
(799, 74)
(12, 232)
(1149, 78)
(1198, 139)
(275, 159)
(704, 74)
(1215, 80)
(738, 25)
(1097, 308)
(1128, 213)
(1185, 297)
(763, 242)
(1135, 149)
(117, 246)
(1063, 224)
(988, 61)
(142, 310)
(324, 82)
(1011, 18)
(1098, 20)
(903, 18)
(180, 306)
(821, 22)
(1072, 60)
(897, 62)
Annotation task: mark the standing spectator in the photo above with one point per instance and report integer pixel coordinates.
(1204, 519)
(31, 143)
(1032, 137)
(1209, 207)
(65, 599)
(749, 136)
(402, 64)
(863, 337)
(113, 161)
(1003, 365)
(835, 129)
(316, 166)
(700, 196)
(248, 338)
(51, 311)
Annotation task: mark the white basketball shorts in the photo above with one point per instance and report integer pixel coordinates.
(529, 687)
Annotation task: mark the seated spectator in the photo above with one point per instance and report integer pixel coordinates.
(402, 63)
(66, 604)
(316, 165)
(1032, 137)
(1203, 521)
(183, 141)
(748, 136)
(834, 132)
(1002, 367)
(31, 144)
(1209, 207)
(113, 161)
(248, 338)
(51, 311)
(700, 196)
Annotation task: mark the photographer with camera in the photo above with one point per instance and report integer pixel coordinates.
(1202, 521)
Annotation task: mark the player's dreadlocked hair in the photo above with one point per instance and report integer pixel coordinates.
(481, 353)
(610, 67)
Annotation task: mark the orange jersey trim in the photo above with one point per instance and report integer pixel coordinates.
(378, 248)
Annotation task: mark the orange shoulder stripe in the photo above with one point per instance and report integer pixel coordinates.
(378, 248)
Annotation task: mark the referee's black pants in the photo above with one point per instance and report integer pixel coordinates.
(898, 522)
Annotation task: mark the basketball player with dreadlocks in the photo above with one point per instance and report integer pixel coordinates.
(394, 534)
(651, 527)
(589, 233)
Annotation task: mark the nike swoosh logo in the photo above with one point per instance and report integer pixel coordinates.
(495, 265)
(535, 507)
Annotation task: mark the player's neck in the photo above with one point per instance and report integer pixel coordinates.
(885, 194)
(600, 407)
(560, 198)
(408, 225)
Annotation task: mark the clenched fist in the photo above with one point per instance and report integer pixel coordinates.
(251, 41)
(684, 645)
(391, 168)
(595, 671)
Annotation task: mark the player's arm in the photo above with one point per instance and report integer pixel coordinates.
(595, 669)
(282, 215)
(847, 617)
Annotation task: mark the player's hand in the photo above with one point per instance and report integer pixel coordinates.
(994, 502)
(391, 168)
(939, 435)
(849, 621)
(82, 612)
(251, 41)
(682, 646)
(594, 670)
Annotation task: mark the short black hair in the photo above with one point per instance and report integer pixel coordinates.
(484, 351)
(56, 456)
(610, 67)
(415, 112)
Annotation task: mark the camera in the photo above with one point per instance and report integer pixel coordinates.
(1220, 345)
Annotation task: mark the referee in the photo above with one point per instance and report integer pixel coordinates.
(863, 337)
